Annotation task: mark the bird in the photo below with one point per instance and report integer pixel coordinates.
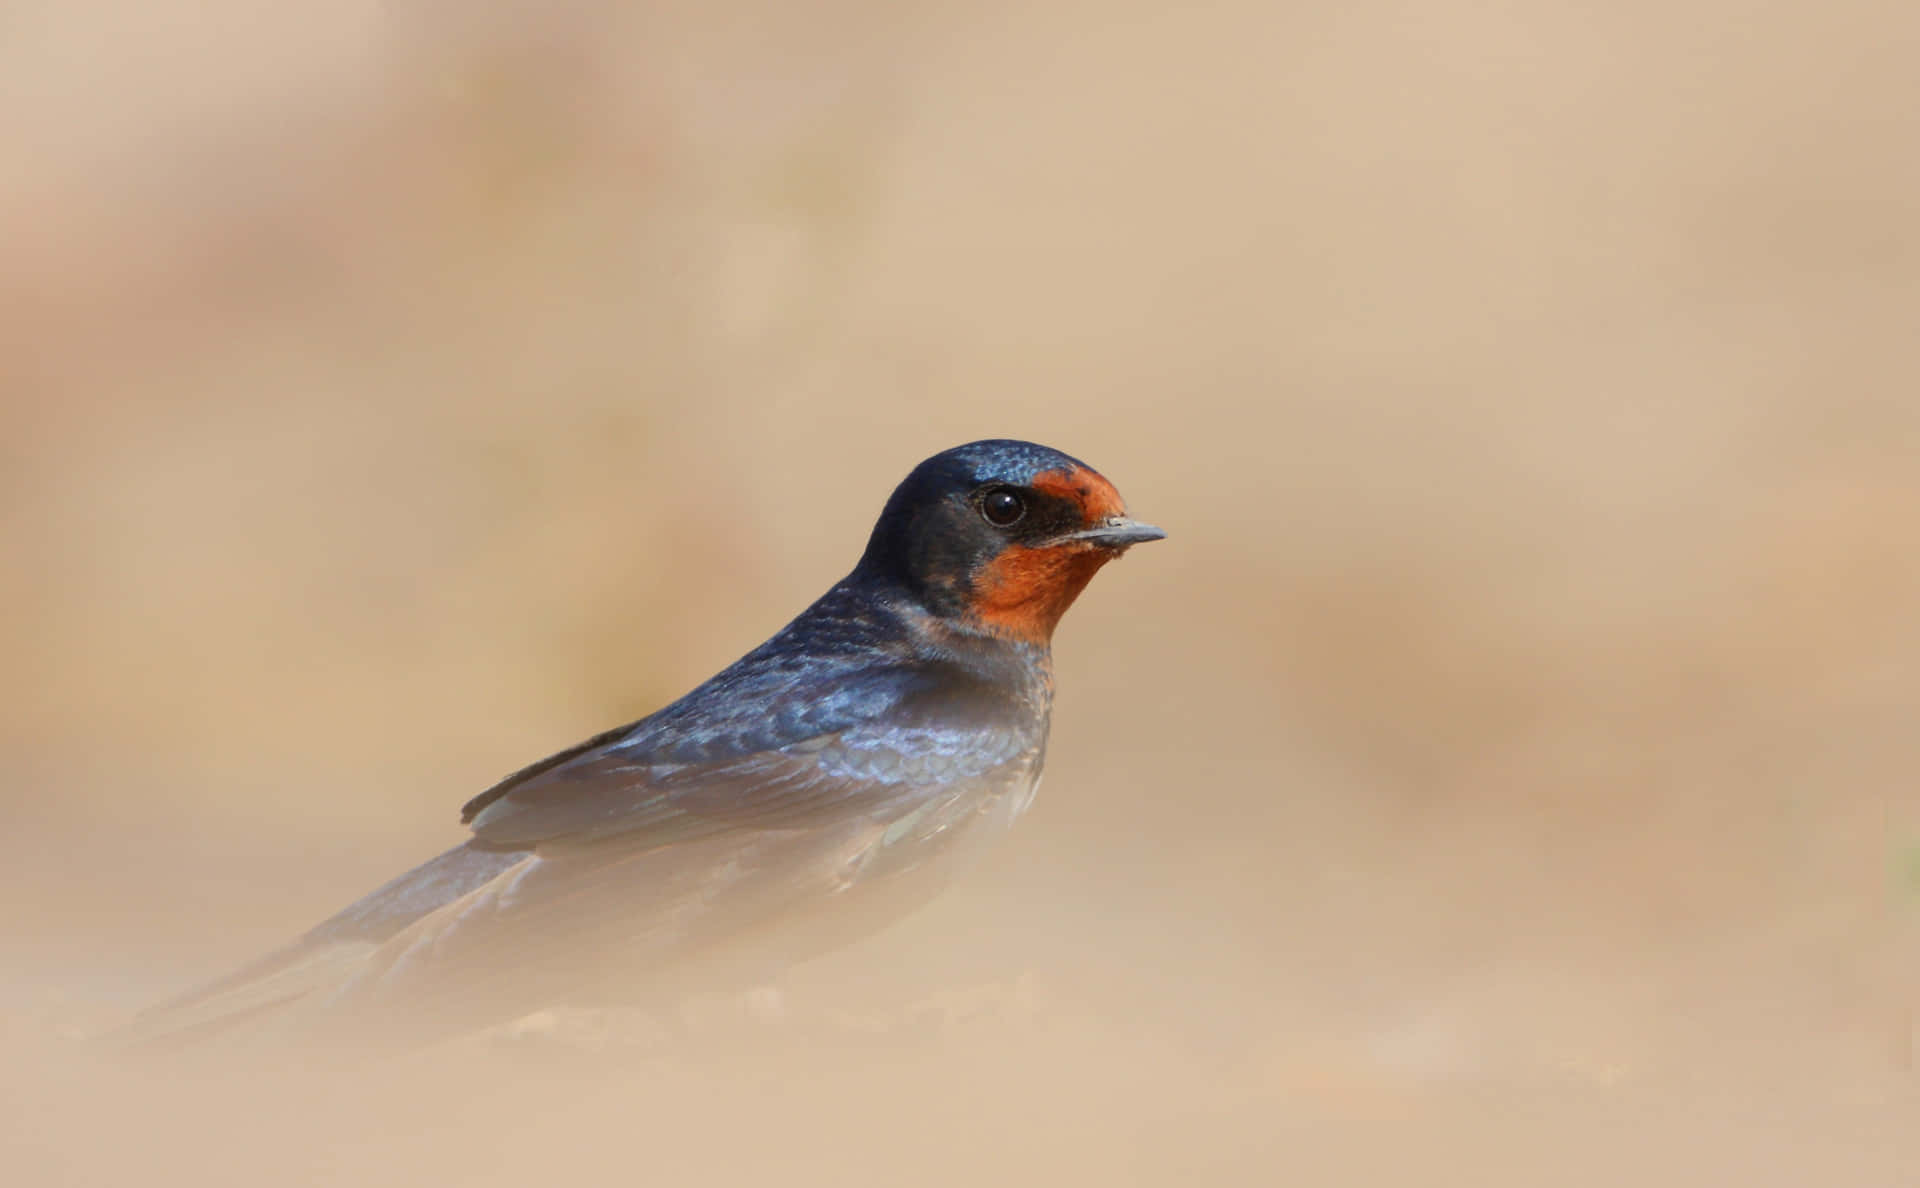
(812, 792)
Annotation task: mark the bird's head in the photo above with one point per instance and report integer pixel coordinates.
(999, 537)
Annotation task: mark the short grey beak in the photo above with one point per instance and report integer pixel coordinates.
(1119, 532)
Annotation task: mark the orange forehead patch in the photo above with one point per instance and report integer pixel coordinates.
(1089, 489)
(1023, 592)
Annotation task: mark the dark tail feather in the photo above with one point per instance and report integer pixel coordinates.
(326, 957)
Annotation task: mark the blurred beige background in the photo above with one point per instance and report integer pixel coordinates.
(1513, 748)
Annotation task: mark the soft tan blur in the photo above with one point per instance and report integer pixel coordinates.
(1506, 773)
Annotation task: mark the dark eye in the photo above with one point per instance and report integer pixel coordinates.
(1003, 509)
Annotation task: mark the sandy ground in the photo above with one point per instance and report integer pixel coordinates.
(1506, 773)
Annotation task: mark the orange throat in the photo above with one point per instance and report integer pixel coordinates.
(1023, 592)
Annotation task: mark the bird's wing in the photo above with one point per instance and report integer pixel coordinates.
(646, 838)
(821, 752)
(753, 843)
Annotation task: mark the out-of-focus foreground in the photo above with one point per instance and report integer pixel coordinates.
(1505, 774)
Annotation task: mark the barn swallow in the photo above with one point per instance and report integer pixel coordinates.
(812, 791)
